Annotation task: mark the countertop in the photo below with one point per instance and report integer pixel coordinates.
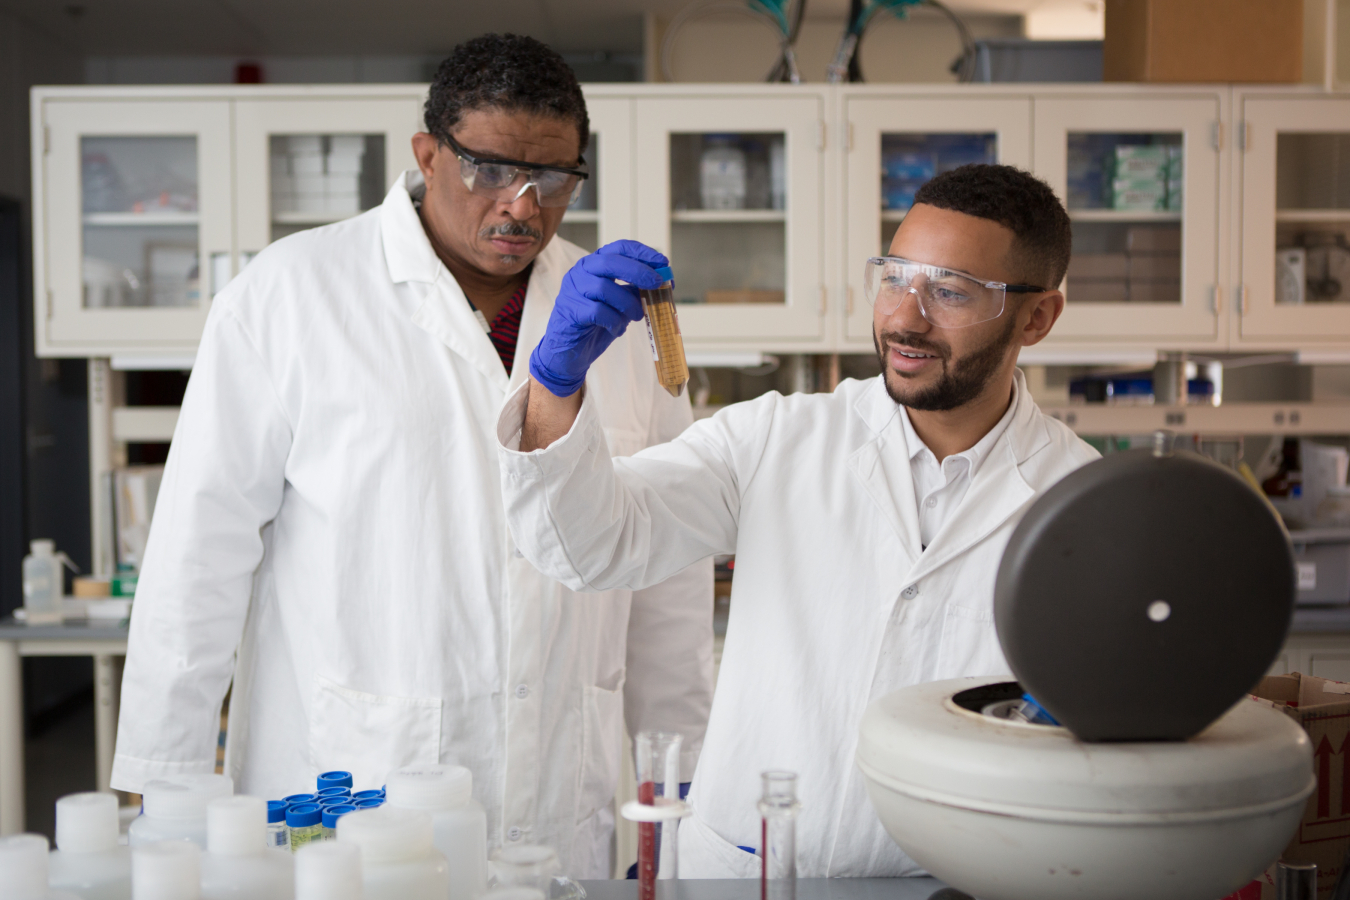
(12, 629)
(1321, 620)
(748, 889)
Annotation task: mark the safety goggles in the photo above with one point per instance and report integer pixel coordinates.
(505, 180)
(947, 298)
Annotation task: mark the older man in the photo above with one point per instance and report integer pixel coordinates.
(330, 532)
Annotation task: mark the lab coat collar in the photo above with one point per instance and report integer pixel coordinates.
(407, 249)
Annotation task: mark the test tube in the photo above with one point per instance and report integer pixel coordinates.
(658, 777)
(663, 331)
(778, 808)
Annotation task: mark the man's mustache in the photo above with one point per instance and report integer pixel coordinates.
(510, 229)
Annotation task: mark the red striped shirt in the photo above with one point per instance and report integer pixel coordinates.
(504, 329)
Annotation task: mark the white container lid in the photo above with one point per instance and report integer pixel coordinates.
(328, 870)
(430, 788)
(86, 823)
(917, 742)
(236, 826)
(387, 833)
(42, 547)
(166, 870)
(184, 796)
(23, 866)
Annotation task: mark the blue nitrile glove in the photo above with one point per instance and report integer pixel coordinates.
(591, 311)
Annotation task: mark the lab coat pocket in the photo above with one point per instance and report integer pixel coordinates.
(969, 644)
(706, 854)
(371, 735)
(601, 746)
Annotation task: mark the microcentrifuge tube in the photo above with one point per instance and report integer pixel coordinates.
(663, 331)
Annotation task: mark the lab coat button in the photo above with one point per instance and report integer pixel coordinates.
(910, 592)
(522, 691)
(931, 502)
(513, 833)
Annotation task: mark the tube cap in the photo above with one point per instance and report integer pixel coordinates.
(42, 547)
(331, 814)
(334, 792)
(23, 866)
(86, 823)
(665, 273)
(167, 870)
(369, 803)
(303, 815)
(328, 870)
(429, 787)
(335, 779)
(184, 796)
(298, 799)
(387, 834)
(276, 811)
(236, 826)
(376, 794)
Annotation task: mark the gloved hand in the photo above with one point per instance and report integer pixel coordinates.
(591, 311)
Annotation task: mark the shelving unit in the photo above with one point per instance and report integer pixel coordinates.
(1124, 215)
(115, 219)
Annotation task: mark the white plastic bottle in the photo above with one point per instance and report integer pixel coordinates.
(458, 822)
(398, 860)
(328, 870)
(23, 869)
(237, 863)
(174, 808)
(722, 173)
(43, 583)
(166, 870)
(87, 861)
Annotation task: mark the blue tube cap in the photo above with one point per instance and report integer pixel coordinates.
(369, 804)
(276, 811)
(326, 802)
(303, 815)
(335, 779)
(376, 794)
(334, 792)
(333, 813)
(665, 273)
(298, 799)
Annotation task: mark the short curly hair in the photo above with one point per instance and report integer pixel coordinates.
(509, 72)
(1020, 202)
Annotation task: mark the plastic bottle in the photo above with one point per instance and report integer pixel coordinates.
(237, 863)
(87, 860)
(23, 869)
(278, 835)
(166, 870)
(398, 859)
(42, 584)
(174, 808)
(459, 824)
(722, 180)
(328, 871)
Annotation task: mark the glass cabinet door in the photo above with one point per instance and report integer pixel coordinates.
(603, 212)
(1296, 219)
(1140, 178)
(716, 178)
(897, 145)
(308, 162)
(137, 200)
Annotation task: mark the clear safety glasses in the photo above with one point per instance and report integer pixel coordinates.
(505, 180)
(947, 298)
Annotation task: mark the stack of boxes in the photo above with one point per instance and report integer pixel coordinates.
(1149, 271)
(1147, 177)
(317, 174)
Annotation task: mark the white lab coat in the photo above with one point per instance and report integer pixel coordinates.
(834, 603)
(331, 511)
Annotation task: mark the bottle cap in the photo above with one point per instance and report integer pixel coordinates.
(86, 823)
(236, 826)
(429, 787)
(167, 870)
(665, 273)
(387, 834)
(298, 799)
(276, 811)
(369, 803)
(328, 870)
(376, 794)
(43, 547)
(326, 802)
(303, 815)
(23, 866)
(331, 814)
(184, 796)
(335, 779)
(334, 792)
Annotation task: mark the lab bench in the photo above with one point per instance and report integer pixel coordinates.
(749, 889)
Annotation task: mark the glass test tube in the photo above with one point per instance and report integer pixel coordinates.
(779, 808)
(658, 777)
(663, 331)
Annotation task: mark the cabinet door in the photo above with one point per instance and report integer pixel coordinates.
(1295, 256)
(312, 161)
(897, 145)
(1140, 176)
(604, 211)
(135, 200)
(716, 180)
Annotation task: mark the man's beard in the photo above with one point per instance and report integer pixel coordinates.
(959, 383)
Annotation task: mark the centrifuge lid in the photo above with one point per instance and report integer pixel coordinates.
(917, 741)
(1143, 595)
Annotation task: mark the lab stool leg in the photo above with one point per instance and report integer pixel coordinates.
(11, 740)
(105, 718)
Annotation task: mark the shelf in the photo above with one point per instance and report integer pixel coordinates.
(581, 216)
(1124, 215)
(1312, 215)
(893, 215)
(144, 424)
(310, 218)
(123, 219)
(1290, 419)
(736, 216)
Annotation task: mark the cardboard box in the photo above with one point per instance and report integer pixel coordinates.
(1155, 291)
(1190, 41)
(1322, 707)
(1155, 265)
(1153, 239)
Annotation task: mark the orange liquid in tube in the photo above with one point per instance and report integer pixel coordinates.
(663, 332)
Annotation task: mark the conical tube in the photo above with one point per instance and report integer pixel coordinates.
(663, 331)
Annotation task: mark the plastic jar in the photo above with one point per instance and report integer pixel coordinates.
(459, 824)
(331, 814)
(328, 871)
(166, 870)
(305, 821)
(174, 809)
(23, 869)
(237, 863)
(87, 860)
(278, 835)
(398, 859)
